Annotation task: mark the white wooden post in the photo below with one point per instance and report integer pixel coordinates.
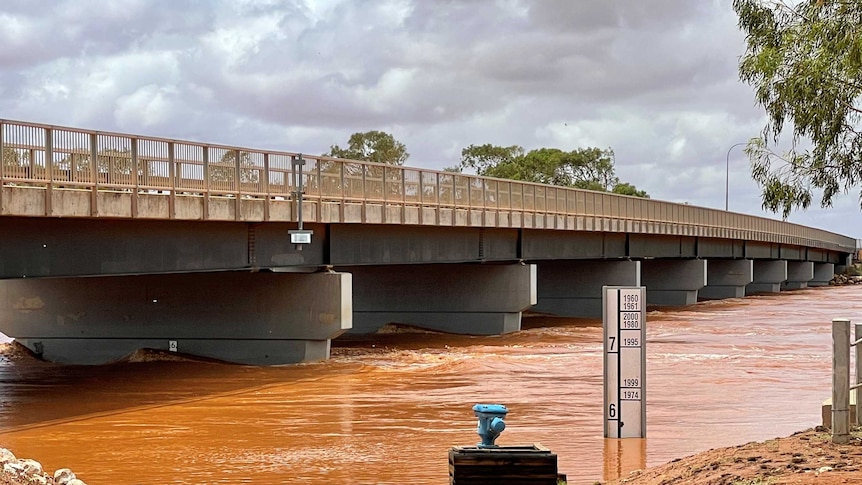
(841, 380)
(857, 337)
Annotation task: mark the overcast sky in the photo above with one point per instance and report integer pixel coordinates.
(654, 80)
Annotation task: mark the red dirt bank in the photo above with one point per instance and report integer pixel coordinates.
(806, 457)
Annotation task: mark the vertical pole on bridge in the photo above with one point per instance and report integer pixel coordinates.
(299, 236)
(298, 163)
(840, 380)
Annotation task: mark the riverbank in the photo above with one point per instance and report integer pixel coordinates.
(806, 457)
(17, 471)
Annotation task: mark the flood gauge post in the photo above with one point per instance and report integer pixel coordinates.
(624, 323)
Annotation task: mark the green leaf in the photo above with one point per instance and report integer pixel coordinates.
(804, 60)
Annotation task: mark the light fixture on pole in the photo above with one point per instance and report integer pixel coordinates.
(727, 173)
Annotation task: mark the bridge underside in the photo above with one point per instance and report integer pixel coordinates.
(242, 292)
(473, 299)
(41, 246)
(249, 318)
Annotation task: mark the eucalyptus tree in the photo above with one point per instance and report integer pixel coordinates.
(804, 60)
(583, 168)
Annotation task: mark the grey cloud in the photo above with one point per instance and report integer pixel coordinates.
(565, 15)
(78, 28)
(656, 80)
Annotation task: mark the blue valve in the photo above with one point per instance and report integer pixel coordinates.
(491, 423)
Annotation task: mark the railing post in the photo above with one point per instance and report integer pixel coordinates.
(172, 173)
(136, 170)
(342, 186)
(206, 181)
(469, 202)
(439, 194)
(840, 380)
(2, 156)
(49, 169)
(2, 163)
(265, 182)
(364, 215)
(94, 174)
(421, 195)
(483, 194)
(385, 197)
(237, 212)
(454, 198)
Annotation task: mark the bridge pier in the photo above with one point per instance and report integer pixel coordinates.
(248, 318)
(726, 278)
(768, 276)
(472, 299)
(573, 288)
(673, 282)
(799, 273)
(823, 274)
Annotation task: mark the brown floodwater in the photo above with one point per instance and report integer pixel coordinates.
(386, 410)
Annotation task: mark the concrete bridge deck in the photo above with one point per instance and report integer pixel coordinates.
(151, 222)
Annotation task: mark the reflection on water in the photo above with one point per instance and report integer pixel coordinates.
(386, 409)
(621, 456)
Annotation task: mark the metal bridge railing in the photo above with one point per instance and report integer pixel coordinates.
(59, 157)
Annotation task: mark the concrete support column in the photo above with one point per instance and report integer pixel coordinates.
(673, 282)
(768, 276)
(726, 278)
(249, 318)
(473, 299)
(574, 288)
(823, 274)
(799, 273)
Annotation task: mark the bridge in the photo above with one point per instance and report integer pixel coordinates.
(114, 242)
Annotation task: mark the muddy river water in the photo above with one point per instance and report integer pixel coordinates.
(386, 410)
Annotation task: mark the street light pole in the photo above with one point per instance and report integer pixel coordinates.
(727, 174)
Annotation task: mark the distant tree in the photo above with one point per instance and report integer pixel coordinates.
(583, 168)
(225, 170)
(371, 146)
(629, 189)
(78, 160)
(118, 163)
(492, 161)
(804, 59)
(11, 158)
(114, 161)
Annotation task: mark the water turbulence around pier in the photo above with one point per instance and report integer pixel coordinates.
(386, 409)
